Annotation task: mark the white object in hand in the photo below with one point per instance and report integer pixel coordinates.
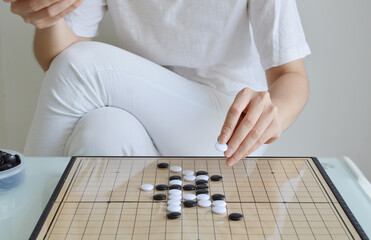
(147, 187)
(175, 169)
(188, 172)
(202, 177)
(173, 208)
(221, 147)
(204, 203)
(219, 203)
(175, 192)
(189, 196)
(174, 202)
(203, 197)
(219, 210)
(189, 178)
(175, 182)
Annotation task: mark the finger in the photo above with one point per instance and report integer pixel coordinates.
(44, 23)
(267, 135)
(252, 138)
(253, 113)
(24, 7)
(50, 12)
(239, 104)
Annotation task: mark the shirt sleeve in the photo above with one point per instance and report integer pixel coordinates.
(277, 30)
(84, 20)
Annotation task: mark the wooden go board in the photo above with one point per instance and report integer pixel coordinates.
(280, 198)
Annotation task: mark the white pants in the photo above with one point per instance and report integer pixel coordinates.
(100, 100)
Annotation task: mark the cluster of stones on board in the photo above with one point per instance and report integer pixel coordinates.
(200, 198)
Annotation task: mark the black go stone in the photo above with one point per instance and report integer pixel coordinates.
(235, 216)
(202, 191)
(189, 203)
(189, 187)
(162, 187)
(218, 196)
(201, 186)
(201, 181)
(175, 186)
(175, 177)
(173, 215)
(162, 165)
(216, 178)
(201, 173)
(159, 196)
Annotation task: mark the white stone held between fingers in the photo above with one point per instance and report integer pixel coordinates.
(175, 192)
(221, 147)
(173, 208)
(219, 210)
(189, 196)
(175, 197)
(189, 178)
(202, 177)
(188, 172)
(174, 202)
(147, 187)
(175, 169)
(219, 203)
(203, 197)
(175, 182)
(204, 203)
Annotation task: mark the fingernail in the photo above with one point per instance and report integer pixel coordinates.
(223, 138)
(229, 162)
(229, 152)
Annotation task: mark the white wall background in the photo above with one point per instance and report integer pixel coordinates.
(335, 122)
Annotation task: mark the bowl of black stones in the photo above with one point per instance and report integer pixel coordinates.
(11, 169)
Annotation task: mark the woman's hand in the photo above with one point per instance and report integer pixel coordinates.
(252, 120)
(43, 13)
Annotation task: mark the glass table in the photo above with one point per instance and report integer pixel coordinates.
(21, 207)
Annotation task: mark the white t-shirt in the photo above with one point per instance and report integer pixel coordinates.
(225, 44)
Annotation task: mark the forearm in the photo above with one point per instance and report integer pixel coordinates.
(289, 93)
(51, 41)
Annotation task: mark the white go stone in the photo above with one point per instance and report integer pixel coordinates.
(219, 203)
(147, 187)
(175, 192)
(202, 177)
(219, 210)
(174, 202)
(175, 197)
(173, 208)
(188, 172)
(203, 197)
(189, 178)
(175, 182)
(189, 196)
(221, 147)
(204, 203)
(175, 169)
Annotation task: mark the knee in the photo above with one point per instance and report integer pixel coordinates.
(108, 132)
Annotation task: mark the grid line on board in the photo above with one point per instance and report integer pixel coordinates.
(331, 202)
(220, 167)
(110, 197)
(100, 184)
(136, 213)
(81, 168)
(126, 189)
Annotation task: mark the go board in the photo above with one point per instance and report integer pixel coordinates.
(280, 198)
